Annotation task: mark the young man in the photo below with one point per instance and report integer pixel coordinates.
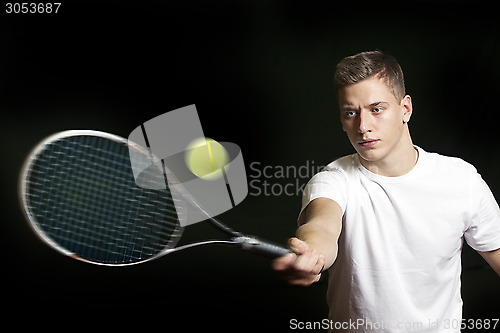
(389, 221)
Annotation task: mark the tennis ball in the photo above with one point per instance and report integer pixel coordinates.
(204, 156)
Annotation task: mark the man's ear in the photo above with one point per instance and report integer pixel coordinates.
(406, 108)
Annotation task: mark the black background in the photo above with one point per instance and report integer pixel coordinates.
(260, 74)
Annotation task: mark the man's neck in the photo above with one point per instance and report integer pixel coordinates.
(399, 162)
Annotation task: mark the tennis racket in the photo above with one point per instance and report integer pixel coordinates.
(79, 195)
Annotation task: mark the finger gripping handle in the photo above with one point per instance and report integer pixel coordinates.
(262, 248)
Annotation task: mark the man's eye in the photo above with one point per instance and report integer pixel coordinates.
(377, 110)
(350, 113)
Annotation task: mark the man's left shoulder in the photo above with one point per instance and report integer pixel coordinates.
(449, 164)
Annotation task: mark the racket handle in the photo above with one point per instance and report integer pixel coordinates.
(260, 247)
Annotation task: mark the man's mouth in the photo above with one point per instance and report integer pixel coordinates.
(367, 143)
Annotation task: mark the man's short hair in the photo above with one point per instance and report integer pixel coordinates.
(364, 65)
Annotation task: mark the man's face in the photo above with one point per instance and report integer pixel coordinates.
(373, 119)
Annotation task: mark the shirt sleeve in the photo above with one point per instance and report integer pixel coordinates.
(331, 184)
(483, 232)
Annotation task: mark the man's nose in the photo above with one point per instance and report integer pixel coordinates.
(364, 122)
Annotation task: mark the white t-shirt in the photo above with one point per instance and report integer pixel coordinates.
(398, 266)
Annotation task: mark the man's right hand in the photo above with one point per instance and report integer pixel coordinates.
(301, 268)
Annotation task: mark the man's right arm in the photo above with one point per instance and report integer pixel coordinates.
(315, 244)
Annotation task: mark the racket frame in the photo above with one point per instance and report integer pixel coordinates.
(24, 183)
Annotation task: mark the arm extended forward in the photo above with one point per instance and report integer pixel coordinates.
(315, 245)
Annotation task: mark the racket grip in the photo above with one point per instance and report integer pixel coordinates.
(260, 247)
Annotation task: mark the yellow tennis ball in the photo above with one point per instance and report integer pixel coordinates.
(205, 156)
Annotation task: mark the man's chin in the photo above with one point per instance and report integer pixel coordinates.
(370, 155)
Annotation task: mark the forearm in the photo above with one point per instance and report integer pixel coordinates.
(319, 239)
(315, 243)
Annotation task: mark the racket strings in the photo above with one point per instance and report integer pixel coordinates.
(83, 196)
